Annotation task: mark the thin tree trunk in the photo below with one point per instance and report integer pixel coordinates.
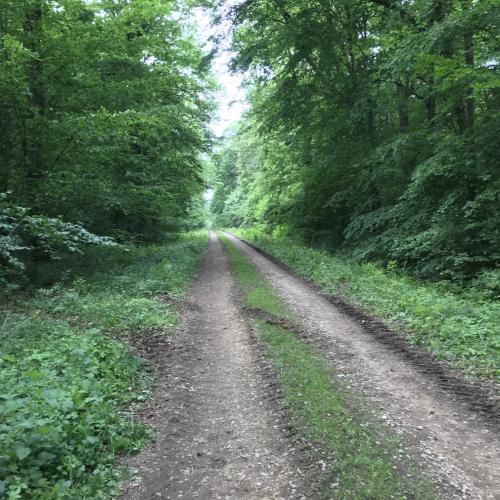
(5, 153)
(4, 118)
(465, 110)
(430, 104)
(469, 62)
(437, 15)
(404, 117)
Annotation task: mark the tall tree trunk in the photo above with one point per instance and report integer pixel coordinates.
(5, 127)
(437, 15)
(370, 123)
(469, 62)
(33, 149)
(5, 152)
(465, 109)
(430, 104)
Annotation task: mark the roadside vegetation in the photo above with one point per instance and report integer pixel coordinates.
(103, 124)
(457, 326)
(360, 456)
(68, 374)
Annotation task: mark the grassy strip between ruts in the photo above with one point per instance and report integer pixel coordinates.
(459, 328)
(358, 455)
(68, 374)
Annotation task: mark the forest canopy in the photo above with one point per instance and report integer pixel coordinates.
(103, 122)
(374, 127)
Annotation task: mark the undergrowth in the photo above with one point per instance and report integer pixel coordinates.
(357, 454)
(68, 375)
(460, 328)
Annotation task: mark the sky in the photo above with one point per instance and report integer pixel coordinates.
(231, 97)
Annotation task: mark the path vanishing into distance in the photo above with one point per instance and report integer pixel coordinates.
(222, 432)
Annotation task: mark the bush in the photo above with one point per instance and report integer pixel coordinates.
(61, 427)
(24, 237)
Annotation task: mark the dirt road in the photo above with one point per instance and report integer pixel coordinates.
(458, 447)
(220, 434)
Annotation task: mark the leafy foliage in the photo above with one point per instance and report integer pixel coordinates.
(23, 236)
(65, 381)
(373, 127)
(60, 428)
(103, 115)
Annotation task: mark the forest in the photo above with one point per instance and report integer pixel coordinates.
(373, 128)
(190, 314)
(104, 111)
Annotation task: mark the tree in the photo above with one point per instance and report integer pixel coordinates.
(376, 119)
(104, 113)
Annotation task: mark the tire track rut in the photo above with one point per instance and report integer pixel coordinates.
(456, 445)
(218, 433)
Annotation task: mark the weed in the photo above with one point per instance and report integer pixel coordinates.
(66, 381)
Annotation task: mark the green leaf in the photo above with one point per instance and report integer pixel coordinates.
(22, 451)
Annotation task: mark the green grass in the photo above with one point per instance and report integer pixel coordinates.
(258, 293)
(68, 375)
(461, 328)
(356, 449)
